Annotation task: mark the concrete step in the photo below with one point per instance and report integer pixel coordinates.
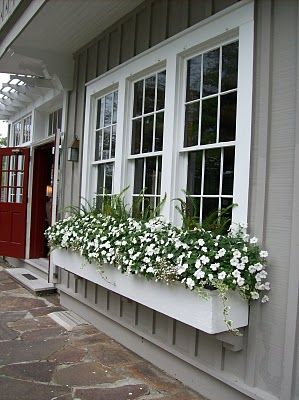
(67, 319)
(31, 281)
(38, 266)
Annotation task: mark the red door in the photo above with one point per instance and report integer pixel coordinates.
(14, 165)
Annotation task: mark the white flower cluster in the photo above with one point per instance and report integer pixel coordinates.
(160, 251)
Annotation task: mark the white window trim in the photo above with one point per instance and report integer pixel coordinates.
(235, 22)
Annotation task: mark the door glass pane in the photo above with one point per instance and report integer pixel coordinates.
(193, 78)
(191, 124)
(228, 108)
(161, 90)
(229, 75)
(21, 162)
(20, 176)
(212, 171)
(3, 195)
(149, 98)
(19, 195)
(5, 163)
(148, 125)
(210, 72)
(11, 195)
(4, 179)
(209, 121)
(13, 162)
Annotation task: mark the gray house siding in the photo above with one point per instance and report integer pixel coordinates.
(263, 368)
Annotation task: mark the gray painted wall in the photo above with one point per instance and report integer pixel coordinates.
(268, 365)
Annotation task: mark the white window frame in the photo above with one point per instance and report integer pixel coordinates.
(235, 22)
(22, 121)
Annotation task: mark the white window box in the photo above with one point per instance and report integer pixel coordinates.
(173, 300)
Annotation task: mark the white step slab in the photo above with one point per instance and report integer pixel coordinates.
(30, 280)
(67, 319)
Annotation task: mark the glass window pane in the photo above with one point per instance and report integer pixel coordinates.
(193, 206)
(149, 204)
(228, 170)
(108, 178)
(136, 207)
(210, 72)
(226, 202)
(228, 108)
(149, 94)
(194, 172)
(138, 176)
(113, 139)
(100, 180)
(108, 110)
(20, 177)
(193, 78)
(11, 195)
(212, 171)
(209, 205)
(150, 175)
(159, 175)
(106, 143)
(98, 148)
(100, 113)
(229, 75)
(148, 125)
(209, 121)
(136, 136)
(115, 100)
(191, 124)
(159, 131)
(138, 96)
(13, 162)
(161, 90)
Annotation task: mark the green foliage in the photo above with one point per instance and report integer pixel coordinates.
(3, 141)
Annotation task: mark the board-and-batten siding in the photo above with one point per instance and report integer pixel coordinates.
(258, 370)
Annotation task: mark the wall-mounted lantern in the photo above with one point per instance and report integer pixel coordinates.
(73, 151)
(49, 191)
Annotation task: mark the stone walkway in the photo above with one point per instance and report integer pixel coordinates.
(40, 360)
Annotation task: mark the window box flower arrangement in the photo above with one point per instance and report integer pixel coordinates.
(153, 263)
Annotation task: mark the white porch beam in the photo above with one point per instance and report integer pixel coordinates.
(9, 106)
(35, 81)
(18, 96)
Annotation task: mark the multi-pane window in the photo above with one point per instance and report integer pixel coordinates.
(27, 129)
(210, 128)
(55, 122)
(17, 133)
(105, 138)
(21, 131)
(147, 140)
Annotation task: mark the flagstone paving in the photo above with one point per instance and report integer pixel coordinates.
(40, 360)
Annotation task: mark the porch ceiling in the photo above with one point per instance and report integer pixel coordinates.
(44, 47)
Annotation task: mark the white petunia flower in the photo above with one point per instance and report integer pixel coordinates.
(237, 254)
(221, 252)
(197, 264)
(201, 242)
(244, 260)
(236, 273)
(199, 274)
(204, 260)
(150, 270)
(240, 281)
(211, 277)
(267, 285)
(265, 299)
(182, 269)
(263, 254)
(170, 255)
(253, 240)
(215, 266)
(222, 275)
(254, 295)
(190, 283)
